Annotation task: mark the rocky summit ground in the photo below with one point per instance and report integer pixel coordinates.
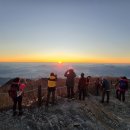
(71, 115)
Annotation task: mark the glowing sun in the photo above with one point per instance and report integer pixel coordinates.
(60, 62)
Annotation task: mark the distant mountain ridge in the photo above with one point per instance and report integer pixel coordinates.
(39, 70)
(3, 81)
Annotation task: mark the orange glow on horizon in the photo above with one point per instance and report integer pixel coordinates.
(60, 62)
(77, 60)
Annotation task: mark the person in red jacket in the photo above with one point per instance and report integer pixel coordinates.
(82, 87)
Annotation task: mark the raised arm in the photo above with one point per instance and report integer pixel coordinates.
(66, 73)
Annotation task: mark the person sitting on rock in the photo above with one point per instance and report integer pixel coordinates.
(82, 87)
(51, 88)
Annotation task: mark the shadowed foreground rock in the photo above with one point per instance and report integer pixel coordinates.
(71, 115)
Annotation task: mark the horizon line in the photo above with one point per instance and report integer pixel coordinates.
(61, 62)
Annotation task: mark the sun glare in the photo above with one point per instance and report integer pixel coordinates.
(60, 62)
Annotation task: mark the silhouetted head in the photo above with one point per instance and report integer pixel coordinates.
(124, 77)
(22, 81)
(89, 77)
(71, 70)
(82, 75)
(16, 80)
(52, 74)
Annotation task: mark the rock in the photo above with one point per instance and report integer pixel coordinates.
(76, 124)
(74, 115)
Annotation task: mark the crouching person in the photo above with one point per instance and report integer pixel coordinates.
(51, 88)
(82, 87)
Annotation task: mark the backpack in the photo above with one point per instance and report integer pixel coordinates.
(123, 84)
(13, 90)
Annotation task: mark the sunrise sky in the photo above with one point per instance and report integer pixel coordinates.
(96, 31)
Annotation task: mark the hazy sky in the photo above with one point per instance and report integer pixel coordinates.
(65, 30)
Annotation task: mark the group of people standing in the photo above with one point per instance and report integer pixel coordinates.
(70, 74)
(18, 85)
(103, 84)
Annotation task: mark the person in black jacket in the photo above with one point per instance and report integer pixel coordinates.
(70, 74)
(97, 86)
(105, 89)
(17, 99)
(82, 87)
